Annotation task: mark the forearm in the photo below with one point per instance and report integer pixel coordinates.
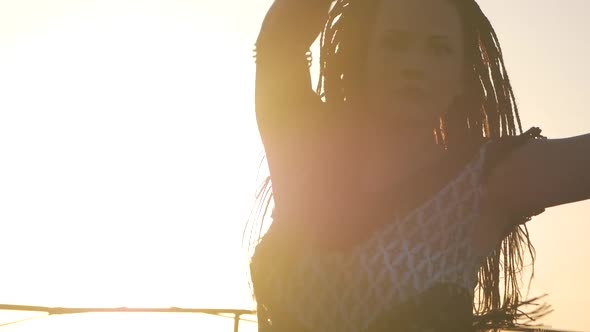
(291, 26)
(283, 81)
(572, 179)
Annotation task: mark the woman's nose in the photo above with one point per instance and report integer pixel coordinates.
(412, 73)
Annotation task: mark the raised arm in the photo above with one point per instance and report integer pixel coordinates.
(284, 94)
(540, 174)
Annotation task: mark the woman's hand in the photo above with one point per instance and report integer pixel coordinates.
(292, 25)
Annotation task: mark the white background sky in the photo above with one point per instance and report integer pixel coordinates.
(129, 150)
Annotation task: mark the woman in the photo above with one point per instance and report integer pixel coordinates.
(400, 186)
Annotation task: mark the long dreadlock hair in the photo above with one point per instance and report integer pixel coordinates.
(488, 110)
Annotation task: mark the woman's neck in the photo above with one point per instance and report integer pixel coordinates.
(391, 156)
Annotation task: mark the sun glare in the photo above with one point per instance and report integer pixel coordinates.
(130, 169)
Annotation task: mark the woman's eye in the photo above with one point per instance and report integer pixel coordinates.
(440, 49)
(395, 44)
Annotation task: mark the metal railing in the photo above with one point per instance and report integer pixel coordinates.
(237, 313)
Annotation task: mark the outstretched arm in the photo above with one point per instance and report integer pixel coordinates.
(283, 84)
(540, 174)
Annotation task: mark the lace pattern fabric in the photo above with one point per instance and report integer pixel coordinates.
(353, 290)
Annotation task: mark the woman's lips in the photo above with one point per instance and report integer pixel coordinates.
(410, 93)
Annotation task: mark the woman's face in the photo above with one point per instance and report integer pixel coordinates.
(415, 62)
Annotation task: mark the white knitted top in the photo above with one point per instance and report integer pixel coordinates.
(348, 291)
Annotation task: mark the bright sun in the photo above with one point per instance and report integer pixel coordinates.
(130, 167)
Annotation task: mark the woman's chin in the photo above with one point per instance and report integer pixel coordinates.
(405, 116)
(411, 121)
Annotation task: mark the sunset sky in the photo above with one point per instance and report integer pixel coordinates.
(129, 153)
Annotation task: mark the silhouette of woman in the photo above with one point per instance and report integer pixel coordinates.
(400, 186)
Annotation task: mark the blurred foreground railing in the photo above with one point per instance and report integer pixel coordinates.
(237, 313)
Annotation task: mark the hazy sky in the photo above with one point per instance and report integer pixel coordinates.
(129, 150)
